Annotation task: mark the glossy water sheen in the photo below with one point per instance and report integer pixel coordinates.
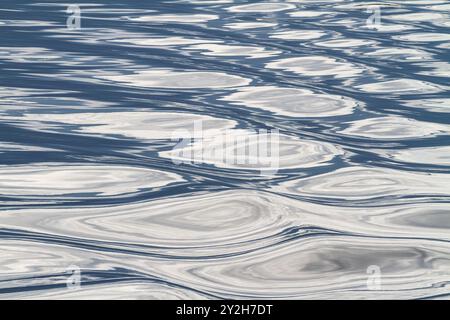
(86, 177)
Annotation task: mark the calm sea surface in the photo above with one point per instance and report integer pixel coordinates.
(96, 201)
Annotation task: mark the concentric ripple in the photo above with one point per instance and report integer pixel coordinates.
(293, 102)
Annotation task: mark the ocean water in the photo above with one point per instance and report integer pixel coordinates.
(98, 201)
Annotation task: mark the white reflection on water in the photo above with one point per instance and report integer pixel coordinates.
(179, 80)
(292, 102)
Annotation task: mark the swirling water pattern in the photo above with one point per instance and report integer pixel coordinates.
(86, 177)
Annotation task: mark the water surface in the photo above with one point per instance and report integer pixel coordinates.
(359, 207)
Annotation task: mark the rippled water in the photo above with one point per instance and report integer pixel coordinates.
(359, 207)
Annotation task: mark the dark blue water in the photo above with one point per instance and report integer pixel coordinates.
(102, 195)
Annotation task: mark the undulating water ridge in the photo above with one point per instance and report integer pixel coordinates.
(98, 202)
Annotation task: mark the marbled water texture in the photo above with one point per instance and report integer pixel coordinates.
(87, 179)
